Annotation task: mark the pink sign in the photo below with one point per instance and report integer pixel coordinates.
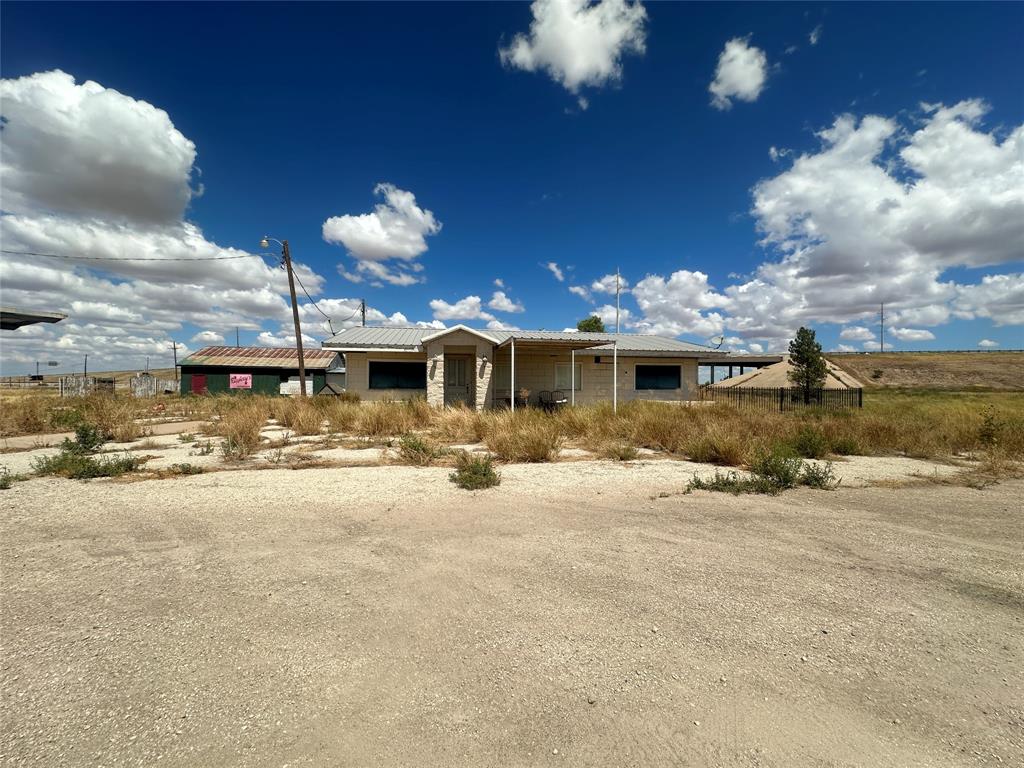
(240, 380)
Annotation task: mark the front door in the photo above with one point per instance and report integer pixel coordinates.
(456, 380)
(198, 383)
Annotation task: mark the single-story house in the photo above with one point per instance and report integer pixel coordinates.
(259, 370)
(485, 368)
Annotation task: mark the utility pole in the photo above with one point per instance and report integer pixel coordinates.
(362, 309)
(174, 346)
(616, 300)
(881, 328)
(295, 316)
(236, 337)
(85, 367)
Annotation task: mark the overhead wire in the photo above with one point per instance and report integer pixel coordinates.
(125, 258)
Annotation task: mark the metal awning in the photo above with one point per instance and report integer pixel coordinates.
(13, 317)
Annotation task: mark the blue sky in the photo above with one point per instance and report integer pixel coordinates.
(298, 112)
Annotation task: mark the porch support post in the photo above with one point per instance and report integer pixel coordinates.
(513, 381)
(615, 376)
(572, 375)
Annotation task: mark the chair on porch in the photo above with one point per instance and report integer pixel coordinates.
(551, 401)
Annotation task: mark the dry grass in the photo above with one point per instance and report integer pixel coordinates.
(525, 435)
(240, 427)
(948, 371)
(303, 417)
(924, 424)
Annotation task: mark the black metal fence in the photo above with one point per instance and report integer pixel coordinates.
(785, 398)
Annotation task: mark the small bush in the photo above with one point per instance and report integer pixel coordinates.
(810, 442)
(988, 432)
(415, 450)
(78, 466)
(186, 437)
(876, 374)
(474, 472)
(88, 439)
(777, 468)
(731, 482)
(820, 476)
(8, 479)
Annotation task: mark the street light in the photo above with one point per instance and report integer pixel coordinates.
(287, 255)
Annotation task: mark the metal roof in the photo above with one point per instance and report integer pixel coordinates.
(410, 340)
(262, 357)
(378, 338)
(15, 317)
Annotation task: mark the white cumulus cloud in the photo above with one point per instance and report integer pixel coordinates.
(468, 308)
(988, 344)
(910, 334)
(397, 229)
(208, 337)
(741, 73)
(577, 42)
(502, 303)
(90, 173)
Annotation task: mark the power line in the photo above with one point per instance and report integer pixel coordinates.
(317, 306)
(127, 258)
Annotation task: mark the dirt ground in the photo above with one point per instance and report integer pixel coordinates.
(954, 371)
(380, 616)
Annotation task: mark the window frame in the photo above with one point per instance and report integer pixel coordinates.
(679, 373)
(579, 376)
(370, 375)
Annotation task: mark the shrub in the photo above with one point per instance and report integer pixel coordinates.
(7, 479)
(988, 432)
(474, 472)
(810, 442)
(730, 482)
(88, 439)
(79, 466)
(876, 374)
(777, 468)
(820, 476)
(415, 450)
(186, 437)
(526, 435)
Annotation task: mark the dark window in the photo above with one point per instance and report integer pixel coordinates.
(395, 375)
(658, 377)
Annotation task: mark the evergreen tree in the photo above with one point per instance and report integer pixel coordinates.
(808, 364)
(591, 324)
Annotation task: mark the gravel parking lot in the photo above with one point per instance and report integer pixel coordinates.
(582, 613)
